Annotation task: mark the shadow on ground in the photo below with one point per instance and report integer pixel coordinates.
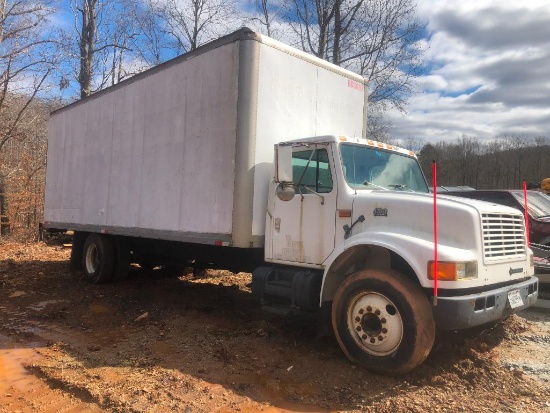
(171, 342)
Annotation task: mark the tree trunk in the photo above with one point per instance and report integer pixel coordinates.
(4, 220)
(337, 32)
(87, 38)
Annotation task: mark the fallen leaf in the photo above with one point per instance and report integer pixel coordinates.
(142, 317)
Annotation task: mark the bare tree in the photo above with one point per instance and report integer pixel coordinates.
(98, 43)
(539, 164)
(87, 44)
(501, 163)
(390, 56)
(346, 17)
(412, 143)
(267, 13)
(27, 58)
(377, 38)
(145, 33)
(467, 150)
(493, 164)
(378, 127)
(313, 23)
(192, 23)
(24, 160)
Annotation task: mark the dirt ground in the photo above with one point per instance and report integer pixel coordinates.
(200, 344)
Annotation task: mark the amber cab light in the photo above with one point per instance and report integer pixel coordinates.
(453, 271)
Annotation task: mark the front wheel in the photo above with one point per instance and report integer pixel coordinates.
(383, 321)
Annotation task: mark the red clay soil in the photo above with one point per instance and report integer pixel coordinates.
(153, 343)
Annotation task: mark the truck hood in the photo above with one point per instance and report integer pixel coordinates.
(407, 214)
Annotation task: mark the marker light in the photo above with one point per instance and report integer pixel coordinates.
(453, 271)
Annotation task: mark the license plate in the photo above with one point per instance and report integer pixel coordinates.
(514, 298)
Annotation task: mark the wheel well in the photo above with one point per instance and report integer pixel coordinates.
(362, 257)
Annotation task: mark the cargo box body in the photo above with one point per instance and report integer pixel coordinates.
(184, 151)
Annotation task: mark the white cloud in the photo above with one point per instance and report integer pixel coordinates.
(488, 71)
(432, 82)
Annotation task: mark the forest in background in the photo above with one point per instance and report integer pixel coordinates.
(501, 163)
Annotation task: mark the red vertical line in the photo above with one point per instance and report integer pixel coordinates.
(434, 179)
(526, 213)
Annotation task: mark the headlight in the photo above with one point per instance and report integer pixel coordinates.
(453, 271)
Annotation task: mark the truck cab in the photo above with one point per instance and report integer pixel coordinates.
(349, 227)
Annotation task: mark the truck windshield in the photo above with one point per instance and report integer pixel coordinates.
(537, 203)
(374, 168)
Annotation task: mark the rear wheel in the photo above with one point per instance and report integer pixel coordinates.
(98, 258)
(75, 262)
(383, 321)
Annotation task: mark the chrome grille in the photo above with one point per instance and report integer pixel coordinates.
(503, 236)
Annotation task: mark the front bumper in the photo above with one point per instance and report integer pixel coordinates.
(465, 311)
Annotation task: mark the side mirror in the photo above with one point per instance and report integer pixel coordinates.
(285, 191)
(283, 163)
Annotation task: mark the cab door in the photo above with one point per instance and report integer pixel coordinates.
(303, 228)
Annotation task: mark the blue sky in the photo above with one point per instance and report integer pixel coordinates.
(487, 71)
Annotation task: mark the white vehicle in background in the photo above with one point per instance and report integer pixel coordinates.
(250, 155)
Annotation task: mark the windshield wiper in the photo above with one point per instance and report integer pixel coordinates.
(401, 186)
(376, 186)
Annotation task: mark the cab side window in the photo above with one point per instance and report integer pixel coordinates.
(312, 169)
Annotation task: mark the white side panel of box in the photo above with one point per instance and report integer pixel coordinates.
(158, 153)
(299, 96)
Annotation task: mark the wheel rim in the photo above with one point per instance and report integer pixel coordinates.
(375, 323)
(92, 259)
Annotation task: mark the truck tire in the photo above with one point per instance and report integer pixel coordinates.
(383, 321)
(98, 258)
(75, 261)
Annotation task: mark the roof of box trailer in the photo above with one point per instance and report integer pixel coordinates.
(243, 33)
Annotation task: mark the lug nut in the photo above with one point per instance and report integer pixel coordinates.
(358, 328)
(361, 311)
(372, 340)
(369, 308)
(377, 312)
(364, 336)
(357, 319)
(380, 338)
(383, 320)
(384, 330)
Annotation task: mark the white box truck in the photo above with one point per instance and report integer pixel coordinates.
(251, 155)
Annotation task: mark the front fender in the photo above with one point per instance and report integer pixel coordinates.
(416, 252)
